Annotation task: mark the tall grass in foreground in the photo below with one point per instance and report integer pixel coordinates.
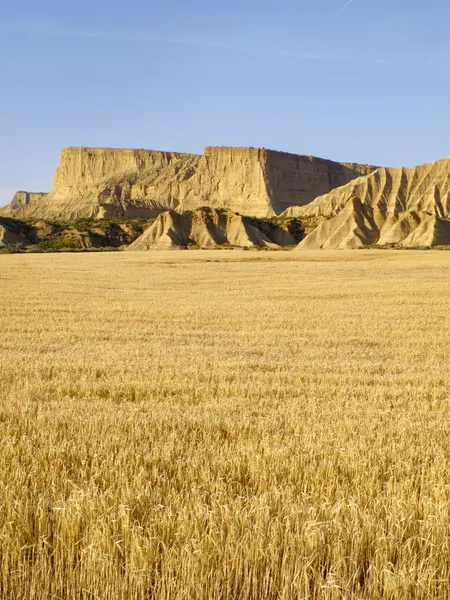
(226, 425)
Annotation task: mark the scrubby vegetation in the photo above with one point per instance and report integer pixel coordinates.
(75, 235)
(88, 235)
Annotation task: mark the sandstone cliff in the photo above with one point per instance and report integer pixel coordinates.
(262, 183)
(209, 228)
(403, 207)
(113, 183)
(23, 199)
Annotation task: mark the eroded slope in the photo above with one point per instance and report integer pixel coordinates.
(210, 228)
(404, 207)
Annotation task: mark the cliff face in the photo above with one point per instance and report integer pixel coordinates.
(23, 199)
(296, 180)
(81, 168)
(260, 182)
(104, 182)
(113, 183)
(230, 178)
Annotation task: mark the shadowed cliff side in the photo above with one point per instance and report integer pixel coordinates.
(14, 232)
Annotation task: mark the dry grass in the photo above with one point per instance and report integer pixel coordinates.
(225, 425)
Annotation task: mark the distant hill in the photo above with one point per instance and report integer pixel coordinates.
(128, 184)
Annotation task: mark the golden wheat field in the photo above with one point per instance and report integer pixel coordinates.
(225, 425)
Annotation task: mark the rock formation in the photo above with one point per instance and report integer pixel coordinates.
(403, 207)
(13, 233)
(209, 228)
(113, 183)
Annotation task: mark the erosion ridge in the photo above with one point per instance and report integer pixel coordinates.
(202, 228)
(208, 227)
(408, 207)
(125, 183)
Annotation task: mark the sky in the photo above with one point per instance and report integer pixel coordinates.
(363, 81)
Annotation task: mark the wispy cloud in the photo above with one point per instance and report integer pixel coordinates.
(332, 59)
(174, 40)
(343, 8)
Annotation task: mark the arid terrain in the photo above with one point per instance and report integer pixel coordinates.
(229, 197)
(216, 425)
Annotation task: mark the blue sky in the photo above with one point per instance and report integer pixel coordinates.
(368, 82)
